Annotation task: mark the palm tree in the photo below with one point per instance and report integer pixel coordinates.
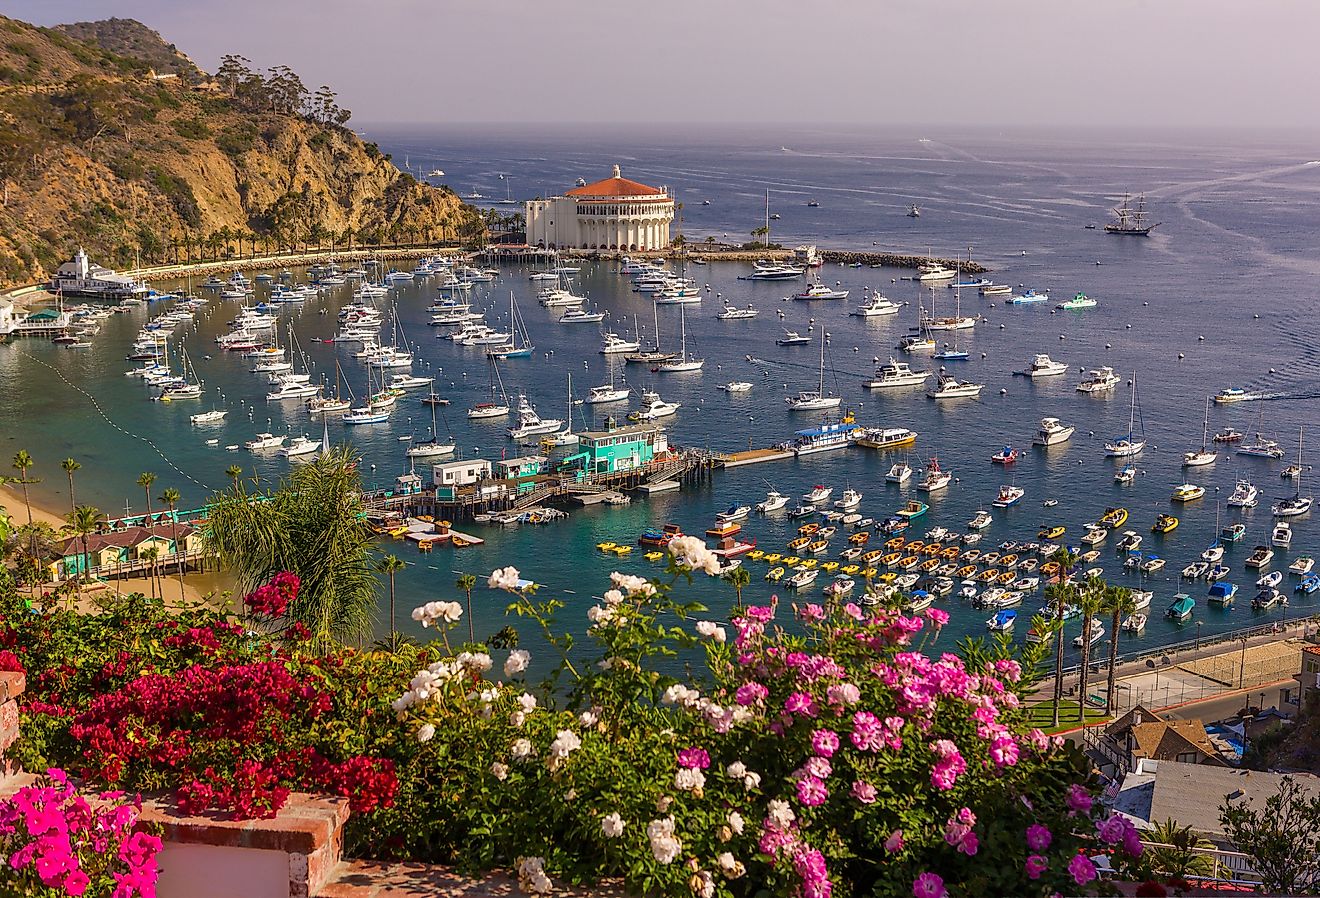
(150, 554)
(1060, 594)
(312, 525)
(389, 566)
(1177, 851)
(1092, 602)
(465, 583)
(170, 496)
(84, 520)
(739, 577)
(234, 473)
(1118, 600)
(145, 480)
(23, 461)
(69, 466)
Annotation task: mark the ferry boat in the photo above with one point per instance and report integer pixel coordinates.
(895, 374)
(1187, 492)
(1053, 432)
(1080, 301)
(1098, 380)
(821, 291)
(887, 437)
(1231, 394)
(827, 437)
(1008, 495)
(1244, 495)
(1043, 366)
(875, 306)
(82, 277)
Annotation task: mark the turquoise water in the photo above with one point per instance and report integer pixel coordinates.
(1219, 296)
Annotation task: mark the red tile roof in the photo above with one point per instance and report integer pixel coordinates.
(614, 186)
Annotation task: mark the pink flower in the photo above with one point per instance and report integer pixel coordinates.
(811, 791)
(961, 836)
(76, 883)
(843, 694)
(694, 758)
(966, 817)
(751, 694)
(1004, 751)
(824, 743)
(1038, 837)
(1038, 739)
(1036, 866)
(867, 734)
(810, 867)
(937, 616)
(1132, 842)
(865, 793)
(800, 703)
(1079, 800)
(945, 772)
(820, 768)
(853, 611)
(929, 885)
(1082, 870)
(894, 843)
(812, 612)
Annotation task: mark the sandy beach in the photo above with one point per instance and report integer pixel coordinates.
(209, 586)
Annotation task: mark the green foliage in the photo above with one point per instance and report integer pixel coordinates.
(237, 139)
(1282, 838)
(192, 128)
(312, 525)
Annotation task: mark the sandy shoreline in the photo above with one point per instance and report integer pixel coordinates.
(206, 586)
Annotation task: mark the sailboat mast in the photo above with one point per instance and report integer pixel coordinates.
(820, 384)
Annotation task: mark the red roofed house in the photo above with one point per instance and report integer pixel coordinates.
(613, 214)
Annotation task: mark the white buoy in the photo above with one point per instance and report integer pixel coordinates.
(1129, 327)
(1200, 338)
(1181, 356)
(1003, 391)
(1109, 346)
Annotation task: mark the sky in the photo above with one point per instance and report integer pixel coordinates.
(1137, 63)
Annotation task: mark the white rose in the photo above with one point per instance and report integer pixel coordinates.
(531, 876)
(565, 743)
(517, 662)
(632, 585)
(780, 813)
(751, 781)
(499, 771)
(527, 702)
(612, 825)
(705, 885)
(521, 749)
(665, 847)
(589, 718)
(517, 719)
(689, 779)
(736, 770)
(425, 733)
(504, 578)
(612, 597)
(730, 866)
(736, 822)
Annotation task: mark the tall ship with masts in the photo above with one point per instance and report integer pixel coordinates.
(1131, 221)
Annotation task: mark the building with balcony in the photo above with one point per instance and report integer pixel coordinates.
(613, 214)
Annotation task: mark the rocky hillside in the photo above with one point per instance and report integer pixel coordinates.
(94, 151)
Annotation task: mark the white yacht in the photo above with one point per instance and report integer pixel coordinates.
(293, 391)
(579, 316)
(876, 305)
(212, 417)
(408, 382)
(774, 501)
(792, 338)
(729, 313)
(849, 500)
(935, 478)
(1297, 504)
(654, 407)
(301, 445)
(1052, 432)
(1098, 380)
(821, 291)
(1281, 536)
(899, 472)
(1044, 366)
(949, 387)
(818, 495)
(895, 374)
(1196, 458)
(484, 410)
(606, 393)
(530, 423)
(264, 441)
(1244, 495)
(936, 272)
(615, 344)
(736, 386)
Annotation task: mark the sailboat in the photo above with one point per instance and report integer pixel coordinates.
(519, 345)
(1296, 504)
(1128, 445)
(655, 354)
(496, 406)
(329, 405)
(954, 354)
(815, 400)
(683, 362)
(607, 392)
(371, 413)
(565, 437)
(1131, 222)
(432, 447)
(191, 387)
(1203, 456)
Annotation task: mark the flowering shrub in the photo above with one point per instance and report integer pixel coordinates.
(54, 842)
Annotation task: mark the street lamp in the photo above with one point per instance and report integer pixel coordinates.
(1198, 634)
(1242, 665)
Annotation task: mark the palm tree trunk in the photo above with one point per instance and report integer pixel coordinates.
(394, 643)
(26, 500)
(1113, 660)
(1058, 655)
(1086, 663)
(472, 627)
(178, 555)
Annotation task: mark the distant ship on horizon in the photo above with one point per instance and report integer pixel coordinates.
(1130, 221)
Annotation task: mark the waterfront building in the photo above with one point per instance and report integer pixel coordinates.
(618, 449)
(122, 551)
(1308, 680)
(82, 277)
(448, 476)
(7, 321)
(522, 466)
(613, 214)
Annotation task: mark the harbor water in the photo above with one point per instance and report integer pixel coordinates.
(1221, 294)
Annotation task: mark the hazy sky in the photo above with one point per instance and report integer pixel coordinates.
(1233, 63)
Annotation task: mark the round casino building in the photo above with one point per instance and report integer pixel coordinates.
(613, 214)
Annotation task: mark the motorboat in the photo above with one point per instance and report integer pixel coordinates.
(1181, 609)
(1270, 580)
(1052, 432)
(654, 407)
(1125, 475)
(1134, 623)
(821, 291)
(894, 374)
(922, 342)
(980, 520)
(1001, 621)
(1009, 494)
(1301, 565)
(912, 509)
(1043, 366)
(1213, 554)
(212, 417)
(1233, 533)
(264, 441)
(1094, 536)
(736, 386)
(301, 445)
(876, 305)
(1244, 495)
(1231, 394)
(887, 437)
(293, 391)
(1268, 598)
(934, 479)
(1187, 492)
(530, 423)
(934, 271)
(763, 270)
(774, 501)
(849, 500)
(1195, 570)
(1259, 557)
(1310, 583)
(818, 495)
(734, 513)
(1130, 541)
(899, 472)
(1113, 518)
(580, 316)
(949, 387)
(1027, 298)
(792, 338)
(1099, 380)
(1006, 456)
(1079, 301)
(1152, 564)
(408, 382)
(615, 344)
(1227, 435)
(1094, 635)
(1217, 572)
(729, 313)
(1281, 536)
(1222, 594)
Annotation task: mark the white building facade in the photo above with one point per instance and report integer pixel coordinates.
(613, 214)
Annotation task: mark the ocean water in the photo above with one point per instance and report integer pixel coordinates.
(1223, 293)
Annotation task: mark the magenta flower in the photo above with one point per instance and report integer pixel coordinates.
(800, 703)
(810, 867)
(694, 758)
(1004, 751)
(811, 791)
(1082, 870)
(1036, 866)
(1038, 837)
(853, 611)
(865, 793)
(1079, 800)
(76, 883)
(812, 612)
(894, 843)
(929, 885)
(820, 768)
(1132, 842)
(751, 694)
(824, 743)
(937, 616)
(868, 733)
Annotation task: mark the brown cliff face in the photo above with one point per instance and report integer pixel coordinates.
(96, 152)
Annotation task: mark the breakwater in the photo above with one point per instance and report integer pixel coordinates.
(833, 256)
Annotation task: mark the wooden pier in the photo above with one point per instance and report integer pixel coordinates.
(752, 457)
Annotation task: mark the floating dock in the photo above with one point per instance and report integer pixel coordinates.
(752, 457)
